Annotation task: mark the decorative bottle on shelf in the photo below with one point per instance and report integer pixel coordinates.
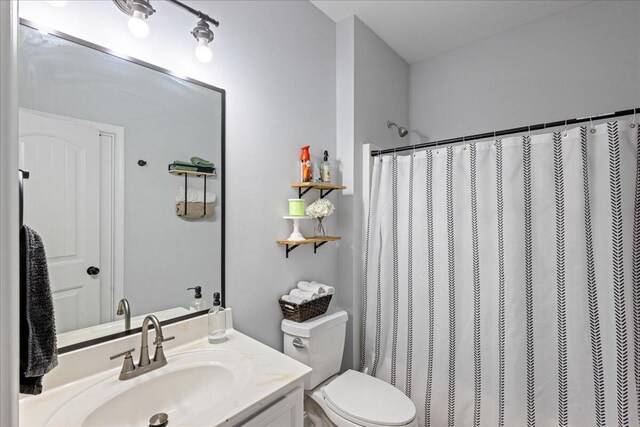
(325, 168)
(217, 321)
(198, 303)
(316, 173)
(305, 165)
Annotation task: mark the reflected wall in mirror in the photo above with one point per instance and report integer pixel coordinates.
(98, 135)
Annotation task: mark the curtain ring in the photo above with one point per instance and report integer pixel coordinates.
(495, 137)
(529, 134)
(414, 150)
(593, 129)
(633, 120)
(566, 130)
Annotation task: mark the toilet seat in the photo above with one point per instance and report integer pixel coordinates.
(368, 401)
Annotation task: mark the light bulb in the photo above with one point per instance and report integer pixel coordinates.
(138, 26)
(203, 53)
(57, 3)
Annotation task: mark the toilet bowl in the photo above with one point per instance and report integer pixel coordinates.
(351, 399)
(354, 399)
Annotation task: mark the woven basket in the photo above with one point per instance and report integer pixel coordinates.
(305, 311)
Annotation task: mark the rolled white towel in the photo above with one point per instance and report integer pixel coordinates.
(194, 195)
(329, 290)
(326, 289)
(305, 295)
(293, 299)
(314, 287)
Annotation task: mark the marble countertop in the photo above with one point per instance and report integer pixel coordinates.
(273, 374)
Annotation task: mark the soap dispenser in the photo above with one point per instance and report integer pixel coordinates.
(217, 321)
(198, 302)
(325, 169)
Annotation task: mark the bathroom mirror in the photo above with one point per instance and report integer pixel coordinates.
(98, 135)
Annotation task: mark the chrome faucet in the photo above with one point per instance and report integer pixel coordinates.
(123, 308)
(129, 369)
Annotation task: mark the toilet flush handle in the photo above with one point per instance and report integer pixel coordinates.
(297, 343)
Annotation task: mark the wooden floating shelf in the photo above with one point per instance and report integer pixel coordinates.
(317, 239)
(318, 185)
(325, 188)
(317, 242)
(195, 173)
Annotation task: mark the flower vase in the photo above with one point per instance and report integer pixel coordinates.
(321, 227)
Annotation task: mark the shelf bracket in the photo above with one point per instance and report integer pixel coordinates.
(185, 194)
(316, 245)
(204, 207)
(325, 193)
(290, 248)
(302, 192)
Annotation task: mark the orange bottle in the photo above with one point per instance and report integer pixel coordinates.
(305, 165)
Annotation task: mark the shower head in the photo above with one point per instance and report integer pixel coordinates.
(401, 130)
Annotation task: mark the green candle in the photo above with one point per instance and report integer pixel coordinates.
(296, 207)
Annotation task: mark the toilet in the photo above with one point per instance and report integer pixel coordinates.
(352, 399)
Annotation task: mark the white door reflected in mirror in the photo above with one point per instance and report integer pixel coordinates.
(62, 202)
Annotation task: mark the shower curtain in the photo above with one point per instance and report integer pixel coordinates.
(501, 281)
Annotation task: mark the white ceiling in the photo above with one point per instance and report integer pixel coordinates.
(417, 30)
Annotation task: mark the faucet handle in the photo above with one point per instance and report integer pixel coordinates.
(126, 353)
(160, 340)
(158, 356)
(128, 365)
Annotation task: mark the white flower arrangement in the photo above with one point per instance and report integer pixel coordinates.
(320, 209)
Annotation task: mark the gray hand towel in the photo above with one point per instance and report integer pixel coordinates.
(38, 346)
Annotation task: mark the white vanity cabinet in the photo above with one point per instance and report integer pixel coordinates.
(287, 411)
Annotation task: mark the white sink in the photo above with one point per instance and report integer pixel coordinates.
(190, 384)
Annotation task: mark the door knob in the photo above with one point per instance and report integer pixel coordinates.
(93, 271)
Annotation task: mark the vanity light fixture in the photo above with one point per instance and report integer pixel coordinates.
(204, 36)
(139, 11)
(57, 3)
(138, 22)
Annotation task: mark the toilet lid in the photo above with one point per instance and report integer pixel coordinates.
(362, 398)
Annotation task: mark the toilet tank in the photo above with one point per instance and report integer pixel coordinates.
(319, 344)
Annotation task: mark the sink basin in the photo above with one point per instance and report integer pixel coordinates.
(190, 384)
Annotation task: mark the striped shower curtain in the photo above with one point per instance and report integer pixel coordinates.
(502, 279)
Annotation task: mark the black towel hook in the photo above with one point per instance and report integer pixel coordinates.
(22, 175)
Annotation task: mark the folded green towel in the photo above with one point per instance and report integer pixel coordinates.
(198, 161)
(182, 167)
(183, 163)
(192, 168)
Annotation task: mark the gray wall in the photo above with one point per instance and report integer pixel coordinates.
(382, 90)
(374, 80)
(579, 62)
(277, 60)
(281, 95)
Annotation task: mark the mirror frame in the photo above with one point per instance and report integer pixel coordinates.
(222, 92)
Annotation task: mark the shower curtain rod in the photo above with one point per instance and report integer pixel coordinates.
(506, 132)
